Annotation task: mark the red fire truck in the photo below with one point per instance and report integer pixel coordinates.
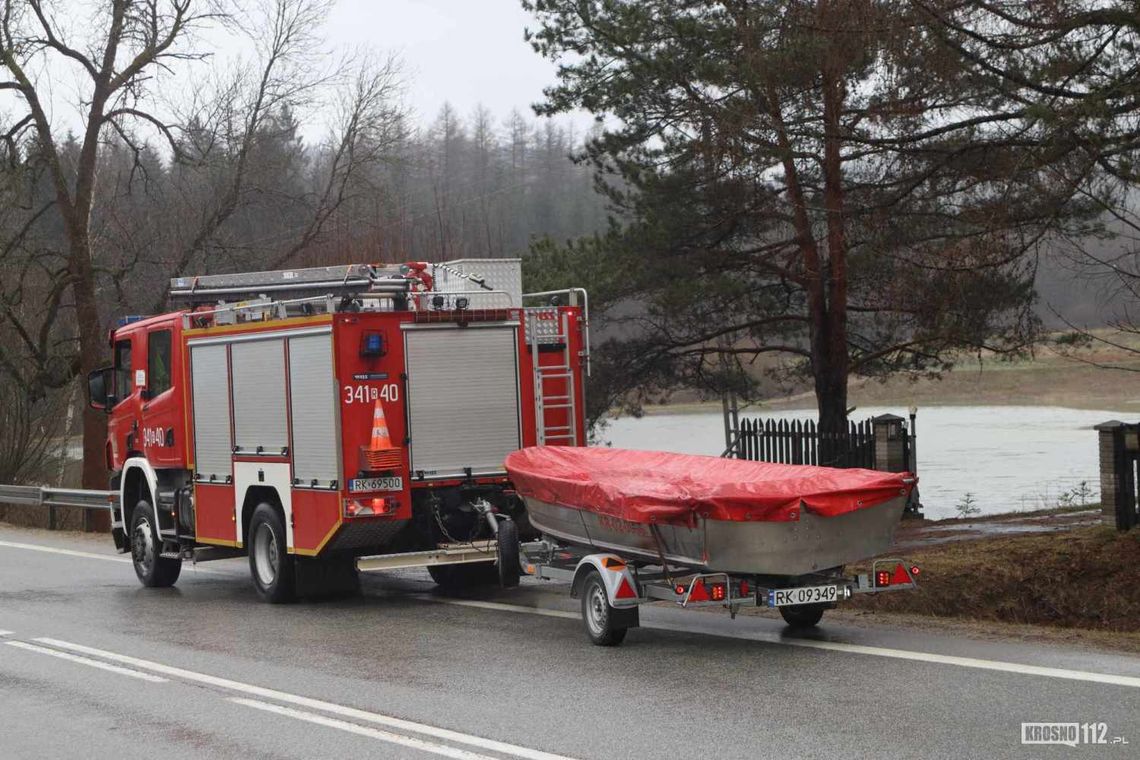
(322, 419)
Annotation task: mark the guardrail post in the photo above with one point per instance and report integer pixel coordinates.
(1119, 446)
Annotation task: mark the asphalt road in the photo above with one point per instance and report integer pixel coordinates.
(94, 666)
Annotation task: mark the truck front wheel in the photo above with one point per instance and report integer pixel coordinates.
(270, 563)
(153, 570)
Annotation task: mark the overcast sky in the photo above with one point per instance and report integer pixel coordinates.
(462, 51)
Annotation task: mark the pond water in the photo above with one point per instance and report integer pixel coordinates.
(1007, 458)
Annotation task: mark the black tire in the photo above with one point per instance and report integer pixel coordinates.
(153, 570)
(597, 614)
(465, 576)
(509, 569)
(271, 566)
(802, 615)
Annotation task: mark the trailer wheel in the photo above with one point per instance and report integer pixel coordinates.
(509, 568)
(597, 613)
(270, 564)
(153, 570)
(802, 615)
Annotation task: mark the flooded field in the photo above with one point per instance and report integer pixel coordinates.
(1007, 458)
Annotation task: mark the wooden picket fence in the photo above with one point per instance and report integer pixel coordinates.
(799, 442)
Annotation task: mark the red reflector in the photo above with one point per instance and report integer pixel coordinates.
(699, 593)
(883, 578)
(744, 590)
(625, 591)
(900, 575)
(718, 592)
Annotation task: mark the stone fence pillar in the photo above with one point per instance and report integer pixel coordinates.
(890, 443)
(1119, 446)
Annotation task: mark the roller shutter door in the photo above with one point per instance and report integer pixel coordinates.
(463, 398)
(210, 396)
(312, 391)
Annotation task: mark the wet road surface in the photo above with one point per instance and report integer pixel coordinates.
(94, 666)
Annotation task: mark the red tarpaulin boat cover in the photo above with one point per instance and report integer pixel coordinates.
(659, 486)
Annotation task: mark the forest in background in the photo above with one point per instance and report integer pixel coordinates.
(749, 149)
(179, 164)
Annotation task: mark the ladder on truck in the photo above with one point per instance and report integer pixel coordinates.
(548, 330)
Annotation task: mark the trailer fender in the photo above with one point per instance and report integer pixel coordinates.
(137, 467)
(621, 584)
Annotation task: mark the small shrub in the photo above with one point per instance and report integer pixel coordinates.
(967, 506)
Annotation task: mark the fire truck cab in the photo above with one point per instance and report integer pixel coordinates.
(328, 420)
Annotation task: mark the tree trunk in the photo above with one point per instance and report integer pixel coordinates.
(829, 370)
(91, 357)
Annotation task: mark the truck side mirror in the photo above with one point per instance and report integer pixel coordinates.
(98, 388)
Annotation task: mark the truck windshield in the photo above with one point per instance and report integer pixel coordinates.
(122, 369)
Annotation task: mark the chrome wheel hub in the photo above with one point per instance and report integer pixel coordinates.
(265, 554)
(596, 609)
(142, 546)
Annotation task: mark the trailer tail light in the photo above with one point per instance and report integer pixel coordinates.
(744, 588)
(900, 576)
(718, 591)
(625, 590)
(882, 578)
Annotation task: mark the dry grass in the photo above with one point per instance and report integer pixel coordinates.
(1048, 378)
(1088, 577)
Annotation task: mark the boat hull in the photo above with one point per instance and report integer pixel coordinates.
(799, 547)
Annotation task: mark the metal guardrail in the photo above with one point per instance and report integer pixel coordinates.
(46, 496)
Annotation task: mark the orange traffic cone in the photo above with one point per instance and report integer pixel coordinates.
(380, 438)
(380, 455)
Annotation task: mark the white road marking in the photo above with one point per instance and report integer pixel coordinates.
(65, 552)
(314, 704)
(498, 606)
(88, 662)
(6, 633)
(93, 555)
(835, 646)
(372, 733)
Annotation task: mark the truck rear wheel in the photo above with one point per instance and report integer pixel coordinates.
(153, 570)
(802, 615)
(508, 554)
(597, 613)
(270, 563)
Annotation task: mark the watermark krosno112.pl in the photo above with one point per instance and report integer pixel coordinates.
(1068, 734)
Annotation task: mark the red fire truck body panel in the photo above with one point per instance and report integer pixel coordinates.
(288, 411)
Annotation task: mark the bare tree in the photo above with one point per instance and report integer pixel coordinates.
(216, 141)
(132, 43)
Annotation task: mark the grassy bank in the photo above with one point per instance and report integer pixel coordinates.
(1087, 577)
(1046, 379)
